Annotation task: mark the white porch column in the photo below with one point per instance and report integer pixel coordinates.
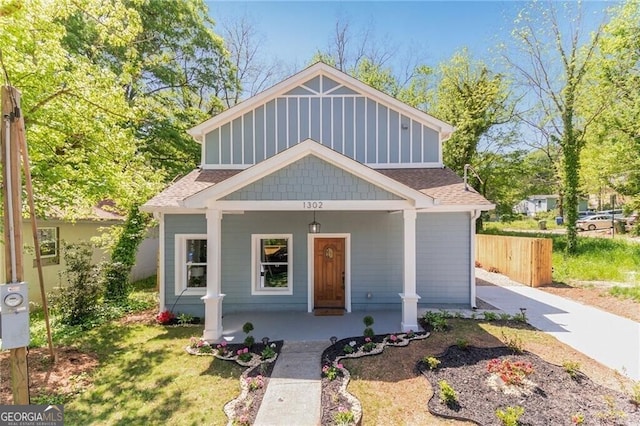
(213, 298)
(472, 258)
(409, 296)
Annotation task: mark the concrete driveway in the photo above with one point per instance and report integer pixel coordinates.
(612, 340)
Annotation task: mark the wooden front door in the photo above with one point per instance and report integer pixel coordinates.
(328, 278)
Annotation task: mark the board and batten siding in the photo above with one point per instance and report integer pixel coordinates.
(443, 256)
(311, 178)
(331, 114)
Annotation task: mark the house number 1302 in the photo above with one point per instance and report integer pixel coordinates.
(312, 204)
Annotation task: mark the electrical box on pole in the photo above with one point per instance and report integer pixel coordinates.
(14, 304)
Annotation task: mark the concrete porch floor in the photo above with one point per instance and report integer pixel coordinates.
(306, 327)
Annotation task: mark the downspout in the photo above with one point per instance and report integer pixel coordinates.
(472, 258)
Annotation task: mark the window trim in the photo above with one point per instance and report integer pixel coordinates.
(255, 262)
(56, 242)
(180, 265)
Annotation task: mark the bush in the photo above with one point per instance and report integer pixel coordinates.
(448, 395)
(510, 416)
(123, 256)
(77, 302)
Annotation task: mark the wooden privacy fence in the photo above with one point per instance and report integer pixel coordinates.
(525, 260)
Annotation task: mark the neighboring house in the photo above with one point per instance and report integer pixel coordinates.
(54, 233)
(541, 204)
(320, 192)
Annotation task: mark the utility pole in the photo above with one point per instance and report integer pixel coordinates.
(12, 199)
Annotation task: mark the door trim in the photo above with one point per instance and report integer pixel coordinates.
(347, 268)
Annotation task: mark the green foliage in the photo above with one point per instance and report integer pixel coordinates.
(510, 416)
(490, 316)
(632, 293)
(344, 417)
(635, 394)
(123, 256)
(247, 327)
(432, 362)
(249, 341)
(513, 342)
(436, 320)
(368, 332)
(74, 108)
(184, 319)
(368, 321)
(572, 368)
(472, 98)
(77, 300)
(462, 344)
(448, 395)
(609, 259)
(267, 353)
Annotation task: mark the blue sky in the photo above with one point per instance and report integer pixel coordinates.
(429, 31)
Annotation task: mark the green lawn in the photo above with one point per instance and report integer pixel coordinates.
(146, 377)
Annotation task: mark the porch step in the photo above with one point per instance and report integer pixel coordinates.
(294, 390)
(326, 312)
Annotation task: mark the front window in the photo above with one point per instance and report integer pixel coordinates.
(191, 264)
(272, 264)
(48, 239)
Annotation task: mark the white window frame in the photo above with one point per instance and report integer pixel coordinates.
(180, 282)
(55, 242)
(256, 288)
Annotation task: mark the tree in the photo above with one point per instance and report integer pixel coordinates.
(472, 98)
(253, 72)
(544, 44)
(173, 73)
(75, 112)
(611, 157)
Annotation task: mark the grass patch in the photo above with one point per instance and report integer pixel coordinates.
(146, 377)
(626, 292)
(597, 259)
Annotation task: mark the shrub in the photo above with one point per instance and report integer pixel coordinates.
(513, 342)
(577, 419)
(255, 383)
(572, 368)
(368, 322)
(431, 362)
(331, 372)
(77, 302)
(437, 320)
(448, 395)
(462, 344)
(344, 417)
(267, 353)
(510, 372)
(510, 416)
(248, 328)
(490, 316)
(635, 394)
(123, 256)
(165, 317)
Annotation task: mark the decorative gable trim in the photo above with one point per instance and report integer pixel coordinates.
(345, 81)
(295, 153)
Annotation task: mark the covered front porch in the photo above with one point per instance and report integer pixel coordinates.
(306, 327)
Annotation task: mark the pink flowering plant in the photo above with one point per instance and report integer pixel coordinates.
(369, 345)
(393, 338)
(244, 355)
(222, 348)
(200, 345)
(331, 372)
(255, 383)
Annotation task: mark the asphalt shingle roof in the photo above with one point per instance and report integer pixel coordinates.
(442, 184)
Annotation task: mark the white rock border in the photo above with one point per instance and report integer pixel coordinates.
(356, 406)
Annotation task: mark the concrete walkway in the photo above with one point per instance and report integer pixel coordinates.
(609, 339)
(293, 394)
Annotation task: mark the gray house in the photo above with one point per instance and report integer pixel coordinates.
(319, 193)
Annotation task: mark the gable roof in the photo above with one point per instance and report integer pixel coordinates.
(437, 189)
(295, 153)
(317, 69)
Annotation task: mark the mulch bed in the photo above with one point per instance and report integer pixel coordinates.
(553, 399)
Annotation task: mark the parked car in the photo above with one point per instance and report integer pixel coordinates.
(586, 213)
(591, 223)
